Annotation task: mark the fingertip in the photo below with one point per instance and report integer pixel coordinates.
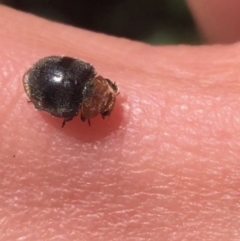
(217, 20)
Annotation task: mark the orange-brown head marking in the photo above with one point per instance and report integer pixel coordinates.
(99, 98)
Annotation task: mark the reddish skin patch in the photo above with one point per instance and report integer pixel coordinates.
(166, 164)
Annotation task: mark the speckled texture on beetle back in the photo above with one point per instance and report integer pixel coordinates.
(63, 86)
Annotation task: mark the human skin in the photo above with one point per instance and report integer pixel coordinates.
(164, 166)
(218, 20)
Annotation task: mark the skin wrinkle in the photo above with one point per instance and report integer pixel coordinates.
(168, 213)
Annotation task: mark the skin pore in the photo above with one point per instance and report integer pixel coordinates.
(164, 166)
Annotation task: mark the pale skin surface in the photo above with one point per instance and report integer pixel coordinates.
(165, 166)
